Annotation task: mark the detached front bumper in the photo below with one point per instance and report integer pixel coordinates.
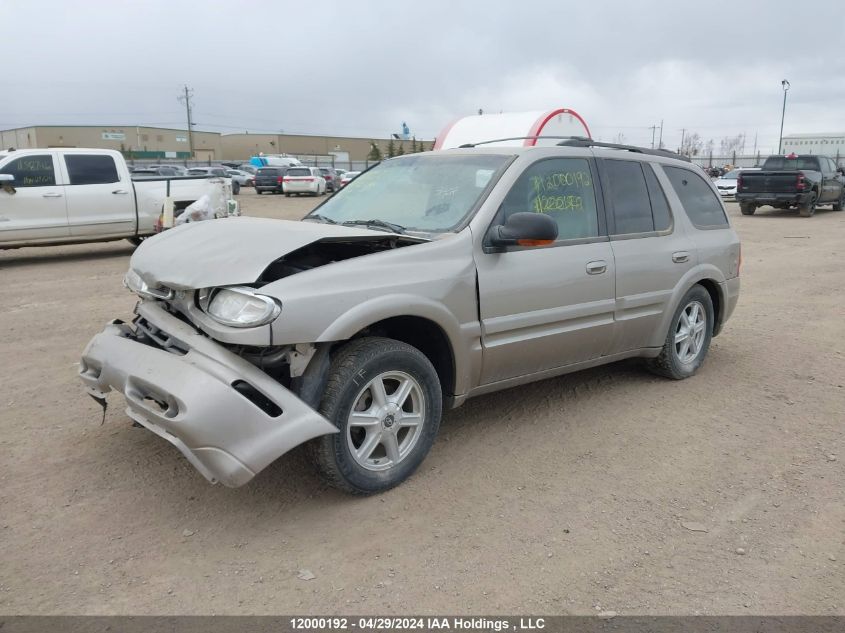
(226, 416)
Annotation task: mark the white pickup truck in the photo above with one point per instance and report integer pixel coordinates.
(66, 195)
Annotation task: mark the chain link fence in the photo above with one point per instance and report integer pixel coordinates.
(747, 160)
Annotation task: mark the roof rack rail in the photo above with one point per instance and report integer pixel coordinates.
(583, 141)
(580, 141)
(519, 138)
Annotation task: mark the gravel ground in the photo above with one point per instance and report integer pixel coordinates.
(610, 489)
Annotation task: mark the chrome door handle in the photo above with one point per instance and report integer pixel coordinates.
(121, 192)
(52, 195)
(596, 267)
(680, 257)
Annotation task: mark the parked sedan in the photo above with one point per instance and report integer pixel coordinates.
(300, 180)
(167, 170)
(243, 178)
(219, 172)
(727, 184)
(348, 177)
(269, 179)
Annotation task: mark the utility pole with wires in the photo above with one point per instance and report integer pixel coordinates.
(653, 129)
(186, 99)
(660, 142)
(683, 136)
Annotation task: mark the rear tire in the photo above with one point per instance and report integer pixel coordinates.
(135, 241)
(838, 206)
(384, 397)
(808, 208)
(688, 339)
(746, 208)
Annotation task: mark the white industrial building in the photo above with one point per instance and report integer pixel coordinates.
(832, 145)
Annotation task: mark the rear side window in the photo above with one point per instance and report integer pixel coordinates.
(659, 206)
(562, 188)
(629, 197)
(32, 171)
(701, 204)
(91, 169)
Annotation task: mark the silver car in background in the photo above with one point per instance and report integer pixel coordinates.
(427, 280)
(726, 184)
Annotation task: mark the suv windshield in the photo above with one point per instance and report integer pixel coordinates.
(432, 193)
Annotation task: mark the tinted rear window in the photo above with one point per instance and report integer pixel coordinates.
(700, 202)
(782, 163)
(91, 169)
(299, 172)
(659, 205)
(629, 196)
(269, 171)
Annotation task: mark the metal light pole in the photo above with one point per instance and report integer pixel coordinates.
(785, 85)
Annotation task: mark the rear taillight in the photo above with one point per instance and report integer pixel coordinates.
(280, 179)
(739, 182)
(801, 182)
(308, 179)
(328, 177)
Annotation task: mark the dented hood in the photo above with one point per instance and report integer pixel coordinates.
(229, 251)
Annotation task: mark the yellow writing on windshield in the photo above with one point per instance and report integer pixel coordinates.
(560, 180)
(545, 204)
(34, 181)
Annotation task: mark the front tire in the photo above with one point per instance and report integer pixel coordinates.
(385, 399)
(746, 208)
(689, 336)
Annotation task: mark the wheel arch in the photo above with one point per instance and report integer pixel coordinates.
(425, 324)
(426, 336)
(711, 279)
(714, 289)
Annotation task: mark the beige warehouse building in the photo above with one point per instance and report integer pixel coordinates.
(141, 142)
(134, 141)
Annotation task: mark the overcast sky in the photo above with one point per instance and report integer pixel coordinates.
(362, 67)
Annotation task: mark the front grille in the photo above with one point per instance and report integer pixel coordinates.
(149, 334)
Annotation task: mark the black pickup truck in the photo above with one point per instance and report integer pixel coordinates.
(792, 181)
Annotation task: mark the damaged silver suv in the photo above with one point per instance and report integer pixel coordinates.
(429, 279)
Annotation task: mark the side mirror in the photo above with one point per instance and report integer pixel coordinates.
(6, 179)
(524, 229)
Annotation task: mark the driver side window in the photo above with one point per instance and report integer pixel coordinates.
(562, 188)
(32, 171)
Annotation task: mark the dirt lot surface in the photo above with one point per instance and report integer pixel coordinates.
(609, 489)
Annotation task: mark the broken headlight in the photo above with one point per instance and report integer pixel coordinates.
(133, 281)
(238, 306)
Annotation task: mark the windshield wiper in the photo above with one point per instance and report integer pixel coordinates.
(320, 218)
(394, 228)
